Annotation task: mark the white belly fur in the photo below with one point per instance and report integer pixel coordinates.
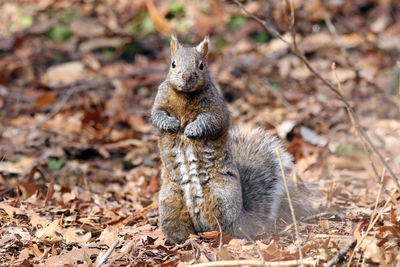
(191, 174)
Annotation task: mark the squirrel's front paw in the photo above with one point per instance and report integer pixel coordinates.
(193, 130)
(171, 124)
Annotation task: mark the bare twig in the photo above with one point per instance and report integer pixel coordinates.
(291, 25)
(316, 216)
(220, 231)
(104, 258)
(370, 226)
(209, 256)
(340, 255)
(306, 219)
(265, 83)
(332, 87)
(290, 206)
(377, 197)
(308, 262)
(268, 27)
(364, 145)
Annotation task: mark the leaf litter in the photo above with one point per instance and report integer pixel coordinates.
(79, 169)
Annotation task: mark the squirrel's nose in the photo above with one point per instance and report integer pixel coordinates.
(187, 78)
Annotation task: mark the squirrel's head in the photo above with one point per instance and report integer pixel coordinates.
(188, 69)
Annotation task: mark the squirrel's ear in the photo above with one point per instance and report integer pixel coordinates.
(202, 48)
(174, 44)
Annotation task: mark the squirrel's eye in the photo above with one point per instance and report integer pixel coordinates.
(173, 64)
(201, 66)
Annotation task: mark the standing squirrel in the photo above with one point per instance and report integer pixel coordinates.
(213, 175)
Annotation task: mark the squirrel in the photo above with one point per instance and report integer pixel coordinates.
(214, 175)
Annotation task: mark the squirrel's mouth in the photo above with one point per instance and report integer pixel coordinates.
(187, 88)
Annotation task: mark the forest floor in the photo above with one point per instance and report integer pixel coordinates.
(79, 163)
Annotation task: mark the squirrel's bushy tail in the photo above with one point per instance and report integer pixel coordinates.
(263, 191)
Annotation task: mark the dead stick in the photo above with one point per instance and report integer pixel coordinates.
(370, 226)
(333, 88)
(107, 254)
(220, 232)
(290, 206)
(364, 145)
(377, 198)
(308, 262)
(340, 255)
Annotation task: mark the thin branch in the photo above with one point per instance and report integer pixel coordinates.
(377, 198)
(103, 259)
(332, 87)
(340, 255)
(291, 25)
(220, 232)
(290, 206)
(308, 262)
(268, 27)
(364, 145)
(370, 226)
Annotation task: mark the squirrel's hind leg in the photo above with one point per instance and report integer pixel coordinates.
(175, 220)
(228, 207)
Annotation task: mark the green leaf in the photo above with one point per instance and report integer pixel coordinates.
(237, 22)
(219, 43)
(69, 16)
(276, 85)
(177, 9)
(55, 165)
(26, 21)
(345, 149)
(182, 27)
(259, 37)
(147, 25)
(59, 32)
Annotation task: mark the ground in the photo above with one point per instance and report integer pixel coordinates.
(79, 163)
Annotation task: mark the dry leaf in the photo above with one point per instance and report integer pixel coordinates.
(108, 236)
(74, 235)
(45, 99)
(161, 23)
(49, 232)
(63, 74)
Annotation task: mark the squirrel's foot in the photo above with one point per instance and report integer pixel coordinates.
(176, 227)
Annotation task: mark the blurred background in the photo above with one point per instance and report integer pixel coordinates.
(78, 78)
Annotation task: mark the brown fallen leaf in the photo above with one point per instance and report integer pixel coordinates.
(270, 251)
(160, 22)
(64, 74)
(45, 99)
(11, 211)
(75, 235)
(209, 235)
(108, 236)
(73, 257)
(49, 232)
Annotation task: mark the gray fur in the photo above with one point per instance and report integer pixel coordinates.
(175, 230)
(205, 124)
(187, 76)
(163, 122)
(244, 181)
